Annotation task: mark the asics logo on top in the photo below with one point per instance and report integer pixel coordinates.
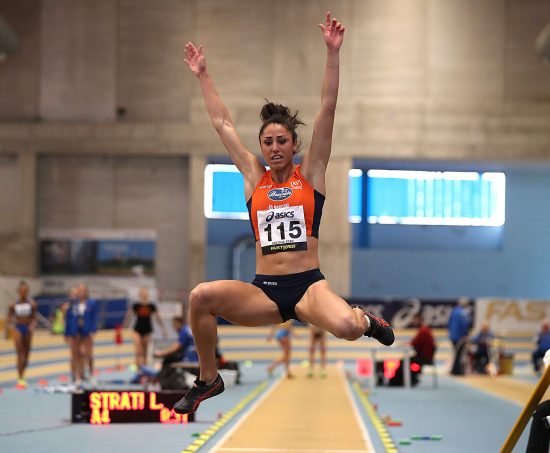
(279, 194)
(279, 215)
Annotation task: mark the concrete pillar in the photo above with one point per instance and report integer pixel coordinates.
(335, 231)
(20, 251)
(197, 222)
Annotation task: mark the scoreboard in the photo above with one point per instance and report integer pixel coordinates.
(103, 407)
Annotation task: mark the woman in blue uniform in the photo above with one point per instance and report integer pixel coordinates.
(80, 326)
(22, 317)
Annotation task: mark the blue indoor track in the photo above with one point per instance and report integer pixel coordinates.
(464, 418)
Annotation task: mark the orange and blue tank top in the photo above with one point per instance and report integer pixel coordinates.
(283, 215)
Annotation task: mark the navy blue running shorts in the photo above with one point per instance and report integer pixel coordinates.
(287, 290)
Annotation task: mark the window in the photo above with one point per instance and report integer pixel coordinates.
(355, 195)
(224, 193)
(435, 197)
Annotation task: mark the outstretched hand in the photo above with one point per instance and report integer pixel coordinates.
(333, 33)
(194, 58)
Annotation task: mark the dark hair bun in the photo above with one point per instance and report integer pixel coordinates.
(272, 112)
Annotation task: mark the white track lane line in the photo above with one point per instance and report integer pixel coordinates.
(360, 421)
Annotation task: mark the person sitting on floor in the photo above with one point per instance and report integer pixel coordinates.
(481, 342)
(542, 341)
(182, 350)
(539, 434)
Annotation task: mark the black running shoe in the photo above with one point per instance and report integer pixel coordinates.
(379, 329)
(197, 394)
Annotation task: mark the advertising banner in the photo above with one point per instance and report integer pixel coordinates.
(98, 252)
(512, 315)
(400, 312)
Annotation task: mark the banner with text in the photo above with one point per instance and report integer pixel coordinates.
(400, 312)
(512, 315)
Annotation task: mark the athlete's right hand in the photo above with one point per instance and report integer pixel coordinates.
(195, 58)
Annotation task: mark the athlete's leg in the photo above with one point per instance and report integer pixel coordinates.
(312, 343)
(138, 347)
(90, 352)
(86, 349)
(26, 340)
(19, 349)
(276, 362)
(284, 343)
(287, 348)
(78, 358)
(323, 308)
(72, 360)
(145, 340)
(323, 350)
(240, 303)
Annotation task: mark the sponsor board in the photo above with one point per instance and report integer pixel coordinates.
(400, 312)
(512, 315)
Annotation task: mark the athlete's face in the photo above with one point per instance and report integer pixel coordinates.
(23, 291)
(277, 145)
(144, 295)
(83, 291)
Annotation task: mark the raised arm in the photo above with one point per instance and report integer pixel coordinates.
(316, 160)
(247, 163)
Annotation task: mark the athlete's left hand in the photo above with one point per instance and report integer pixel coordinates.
(333, 33)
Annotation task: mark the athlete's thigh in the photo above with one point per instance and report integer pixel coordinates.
(26, 341)
(145, 341)
(86, 345)
(17, 340)
(285, 345)
(240, 303)
(137, 340)
(323, 308)
(313, 341)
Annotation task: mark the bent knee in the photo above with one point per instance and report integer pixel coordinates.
(349, 328)
(201, 297)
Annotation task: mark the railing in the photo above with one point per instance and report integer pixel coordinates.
(527, 412)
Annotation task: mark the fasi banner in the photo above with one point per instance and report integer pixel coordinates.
(511, 315)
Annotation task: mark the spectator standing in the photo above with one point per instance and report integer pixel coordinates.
(459, 326)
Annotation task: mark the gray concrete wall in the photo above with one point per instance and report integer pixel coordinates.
(437, 79)
(149, 53)
(20, 73)
(78, 66)
(121, 194)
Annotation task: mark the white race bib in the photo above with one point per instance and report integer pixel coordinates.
(22, 309)
(282, 230)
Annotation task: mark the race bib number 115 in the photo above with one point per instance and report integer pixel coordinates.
(282, 230)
